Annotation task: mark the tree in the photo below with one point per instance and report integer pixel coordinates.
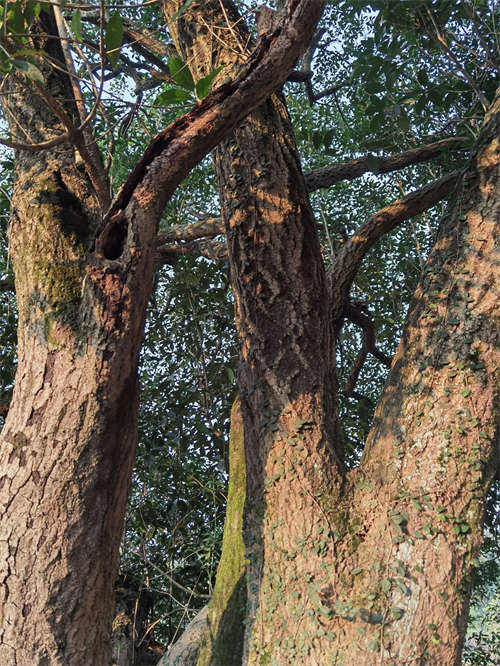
(337, 558)
(83, 279)
(331, 551)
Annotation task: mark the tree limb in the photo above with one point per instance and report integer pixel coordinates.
(174, 151)
(209, 226)
(355, 315)
(327, 176)
(347, 263)
(315, 97)
(205, 227)
(167, 254)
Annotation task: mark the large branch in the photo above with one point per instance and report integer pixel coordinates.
(327, 176)
(347, 263)
(177, 149)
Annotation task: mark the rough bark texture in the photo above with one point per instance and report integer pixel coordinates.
(431, 453)
(327, 176)
(68, 442)
(67, 446)
(283, 321)
(374, 566)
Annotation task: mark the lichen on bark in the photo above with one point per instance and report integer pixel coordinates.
(222, 641)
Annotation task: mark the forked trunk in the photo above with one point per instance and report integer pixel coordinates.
(372, 566)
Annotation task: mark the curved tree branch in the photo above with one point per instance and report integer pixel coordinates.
(174, 151)
(347, 263)
(327, 176)
(210, 226)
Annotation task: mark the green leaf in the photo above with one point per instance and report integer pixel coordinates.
(397, 613)
(29, 70)
(15, 19)
(404, 122)
(113, 38)
(204, 85)
(181, 74)
(5, 61)
(181, 11)
(31, 11)
(328, 138)
(76, 25)
(422, 77)
(373, 163)
(173, 96)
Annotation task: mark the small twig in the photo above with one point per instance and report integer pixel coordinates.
(172, 580)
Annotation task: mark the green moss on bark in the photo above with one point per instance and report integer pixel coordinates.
(222, 642)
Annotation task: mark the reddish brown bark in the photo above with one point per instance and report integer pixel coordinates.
(67, 447)
(372, 566)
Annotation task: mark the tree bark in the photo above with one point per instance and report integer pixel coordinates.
(222, 640)
(374, 565)
(68, 442)
(282, 316)
(83, 282)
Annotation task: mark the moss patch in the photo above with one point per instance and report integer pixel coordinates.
(223, 639)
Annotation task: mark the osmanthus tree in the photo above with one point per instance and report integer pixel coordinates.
(83, 274)
(371, 564)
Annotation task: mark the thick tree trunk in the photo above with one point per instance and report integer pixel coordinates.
(373, 566)
(83, 279)
(282, 316)
(68, 442)
(418, 495)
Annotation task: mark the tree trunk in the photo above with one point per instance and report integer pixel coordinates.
(68, 443)
(223, 639)
(372, 566)
(418, 495)
(83, 279)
